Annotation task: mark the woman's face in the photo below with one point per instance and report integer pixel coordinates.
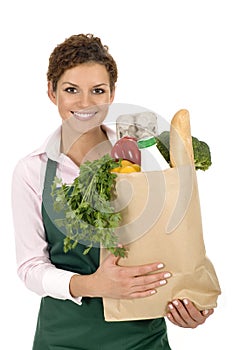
(83, 95)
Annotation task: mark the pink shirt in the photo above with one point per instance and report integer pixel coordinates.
(33, 264)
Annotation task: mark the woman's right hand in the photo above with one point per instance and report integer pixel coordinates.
(119, 282)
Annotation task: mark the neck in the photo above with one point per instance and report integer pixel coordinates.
(84, 146)
(71, 138)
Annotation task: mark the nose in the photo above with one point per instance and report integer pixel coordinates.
(84, 100)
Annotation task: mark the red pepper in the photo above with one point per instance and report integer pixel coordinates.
(127, 148)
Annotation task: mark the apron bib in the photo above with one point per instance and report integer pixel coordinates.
(64, 325)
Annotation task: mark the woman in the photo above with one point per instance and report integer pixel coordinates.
(81, 83)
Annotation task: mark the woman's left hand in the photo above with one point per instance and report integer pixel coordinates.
(183, 313)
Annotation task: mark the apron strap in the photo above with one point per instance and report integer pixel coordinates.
(49, 177)
(47, 199)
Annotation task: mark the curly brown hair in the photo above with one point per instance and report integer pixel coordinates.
(79, 49)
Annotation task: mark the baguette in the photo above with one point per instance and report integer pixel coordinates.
(181, 148)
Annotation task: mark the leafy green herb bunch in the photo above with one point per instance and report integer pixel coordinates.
(89, 216)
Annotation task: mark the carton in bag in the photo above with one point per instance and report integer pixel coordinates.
(161, 221)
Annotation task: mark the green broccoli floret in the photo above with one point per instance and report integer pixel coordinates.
(201, 151)
(202, 155)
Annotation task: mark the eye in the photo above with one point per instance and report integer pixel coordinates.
(71, 90)
(98, 91)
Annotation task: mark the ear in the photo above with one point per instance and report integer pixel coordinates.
(51, 93)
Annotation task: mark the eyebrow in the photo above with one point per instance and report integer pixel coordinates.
(75, 85)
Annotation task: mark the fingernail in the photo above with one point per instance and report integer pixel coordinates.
(170, 306)
(175, 302)
(162, 282)
(166, 275)
(185, 301)
(205, 312)
(159, 266)
(152, 292)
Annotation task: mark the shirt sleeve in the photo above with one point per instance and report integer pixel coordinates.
(56, 284)
(33, 264)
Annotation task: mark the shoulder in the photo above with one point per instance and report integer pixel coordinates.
(30, 168)
(29, 171)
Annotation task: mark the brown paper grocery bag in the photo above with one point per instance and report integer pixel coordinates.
(162, 222)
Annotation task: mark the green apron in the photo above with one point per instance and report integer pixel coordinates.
(64, 325)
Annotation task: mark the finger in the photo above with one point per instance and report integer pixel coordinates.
(143, 294)
(136, 271)
(175, 316)
(185, 314)
(184, 317)
(150, 287)
(158, 279)
(207, 313)
(193, 312)
(171, 319)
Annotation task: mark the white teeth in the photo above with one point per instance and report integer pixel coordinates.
(83, 115)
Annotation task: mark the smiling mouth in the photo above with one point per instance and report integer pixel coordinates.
(84, 115)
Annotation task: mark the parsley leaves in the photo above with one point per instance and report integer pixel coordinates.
(89, 216)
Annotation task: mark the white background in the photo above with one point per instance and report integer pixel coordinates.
(171, 54)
